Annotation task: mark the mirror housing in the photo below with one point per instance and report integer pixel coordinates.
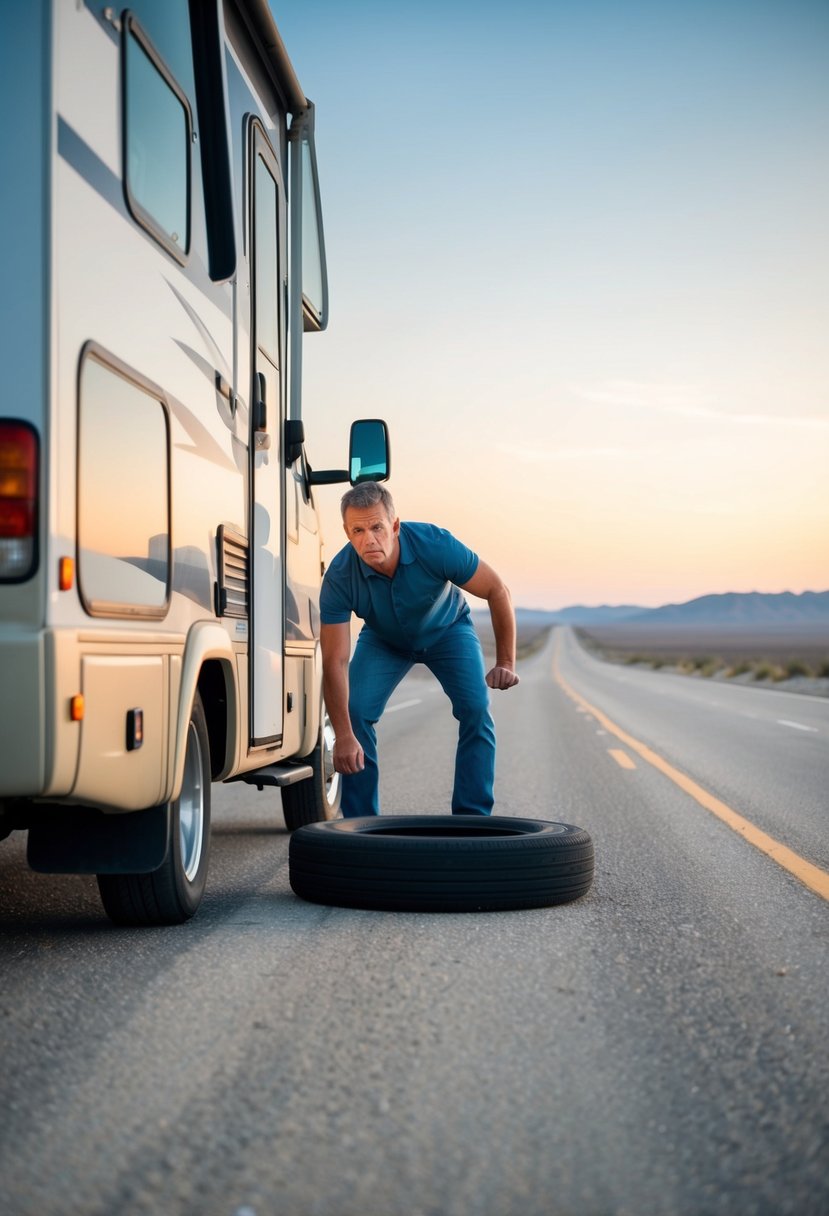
(369, 456)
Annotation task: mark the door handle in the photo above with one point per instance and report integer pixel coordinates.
(260, 417)
(260, 422)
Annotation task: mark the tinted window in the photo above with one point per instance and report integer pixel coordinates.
(312, 285)
(123, 495)
(167, 24)
(266, 266)
(157, 145)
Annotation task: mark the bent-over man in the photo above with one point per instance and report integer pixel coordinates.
(403, 580)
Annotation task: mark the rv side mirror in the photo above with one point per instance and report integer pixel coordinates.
(368, 453)
(368, 456)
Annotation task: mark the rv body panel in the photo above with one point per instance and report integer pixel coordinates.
(23, 710)
(26, 154)
(138, 372)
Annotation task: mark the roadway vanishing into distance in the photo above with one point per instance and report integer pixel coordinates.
(658, 1047)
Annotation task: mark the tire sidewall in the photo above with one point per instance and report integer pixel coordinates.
(188, 891)
(308, 801)
(330, 805)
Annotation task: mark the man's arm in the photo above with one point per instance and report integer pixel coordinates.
(489, 586)
(335, 642)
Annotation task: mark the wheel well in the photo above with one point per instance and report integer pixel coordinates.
(213, 688)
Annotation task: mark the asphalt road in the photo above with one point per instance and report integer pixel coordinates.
(658, 1047)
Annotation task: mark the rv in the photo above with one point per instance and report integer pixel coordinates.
(160, 546)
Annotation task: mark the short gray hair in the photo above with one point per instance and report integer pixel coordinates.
(368, 494)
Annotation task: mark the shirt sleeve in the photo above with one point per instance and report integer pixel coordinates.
(335, 600)
(451, 559)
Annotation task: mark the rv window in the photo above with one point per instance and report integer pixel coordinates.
(123, 496)
(266, 265)
(313, 272)
(214, 138)
(157, 130)
(167, 24)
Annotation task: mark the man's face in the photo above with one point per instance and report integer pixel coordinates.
(374, 536)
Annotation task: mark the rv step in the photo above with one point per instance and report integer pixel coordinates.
(277, 774)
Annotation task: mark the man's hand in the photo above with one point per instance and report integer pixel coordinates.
(335, 642)
(348, 755)
(489, 586)
(502, 677)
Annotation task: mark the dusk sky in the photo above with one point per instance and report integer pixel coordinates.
(578, 256)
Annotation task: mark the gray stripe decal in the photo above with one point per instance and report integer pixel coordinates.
(92, 169)
(77, 153)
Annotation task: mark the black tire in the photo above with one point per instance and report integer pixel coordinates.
(173, 892)
(440, 863)
(316, 799)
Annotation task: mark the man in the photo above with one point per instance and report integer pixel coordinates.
(403, 580)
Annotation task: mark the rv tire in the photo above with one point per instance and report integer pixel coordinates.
(317, 798)
(440, 863)
(173, 892)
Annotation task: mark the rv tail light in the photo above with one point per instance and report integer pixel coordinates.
(18, 500)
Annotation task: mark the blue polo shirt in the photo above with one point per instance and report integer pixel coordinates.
(418, 603)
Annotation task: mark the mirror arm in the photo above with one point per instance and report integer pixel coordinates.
(327, 477)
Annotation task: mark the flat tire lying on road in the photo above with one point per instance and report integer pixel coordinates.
(440, 863)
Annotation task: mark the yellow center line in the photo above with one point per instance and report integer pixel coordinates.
(810, 875)
(621, 758)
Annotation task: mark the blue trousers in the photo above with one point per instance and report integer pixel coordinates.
(456, 660)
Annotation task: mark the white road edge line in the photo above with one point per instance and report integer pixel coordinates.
(796, 725)
(402, 705)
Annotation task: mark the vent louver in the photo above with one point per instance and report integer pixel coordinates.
(232, 583)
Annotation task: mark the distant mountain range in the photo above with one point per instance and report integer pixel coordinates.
(735, 609)
(579, 614)
(748, 608)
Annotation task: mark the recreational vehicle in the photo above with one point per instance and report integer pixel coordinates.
(160, 547)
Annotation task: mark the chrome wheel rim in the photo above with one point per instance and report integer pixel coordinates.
(331, 778)
(191, 807)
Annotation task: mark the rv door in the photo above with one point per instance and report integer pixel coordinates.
(266, 555)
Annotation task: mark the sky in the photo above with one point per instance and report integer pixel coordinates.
(578, 258)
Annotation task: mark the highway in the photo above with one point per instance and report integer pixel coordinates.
(658, 1048)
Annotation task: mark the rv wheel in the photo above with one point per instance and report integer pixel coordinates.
(317, 798)
(173, 892)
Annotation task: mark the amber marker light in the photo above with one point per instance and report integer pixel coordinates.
(66, 573)
(76, 707)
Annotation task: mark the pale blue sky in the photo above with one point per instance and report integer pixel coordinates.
(579, 261)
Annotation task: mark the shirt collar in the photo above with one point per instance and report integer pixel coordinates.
(406, 552)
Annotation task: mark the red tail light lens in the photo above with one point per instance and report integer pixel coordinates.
(18, 500)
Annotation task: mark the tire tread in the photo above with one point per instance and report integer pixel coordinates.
(375, 865)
